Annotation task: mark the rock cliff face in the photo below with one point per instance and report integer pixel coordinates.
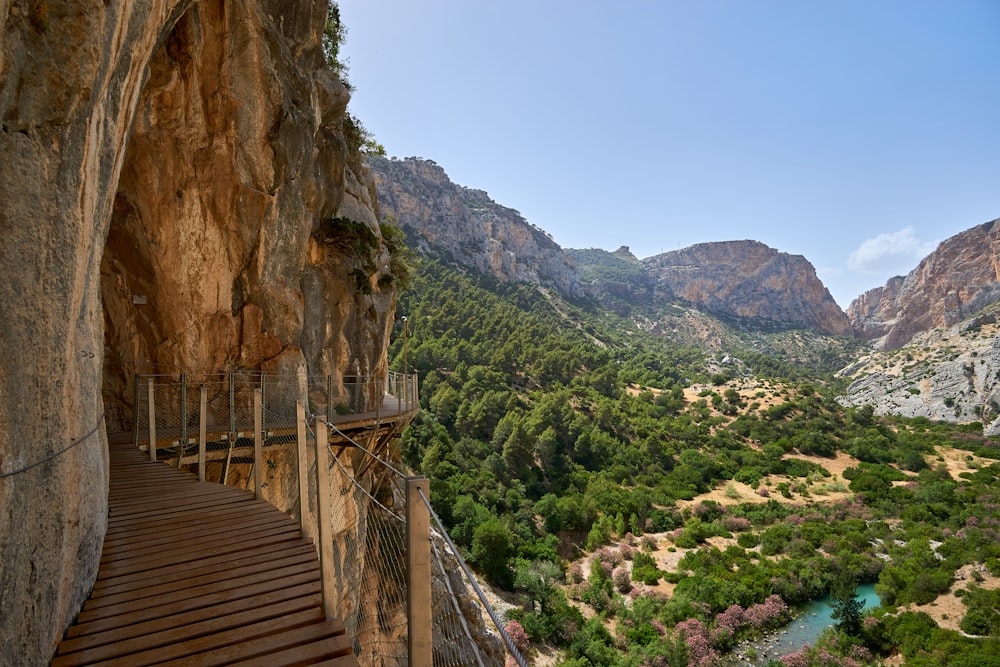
(946, 373)
(954, 282)
(177, 194)
(748, 280)
(469, 227)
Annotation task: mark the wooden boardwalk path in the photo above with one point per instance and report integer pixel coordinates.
(196, 573)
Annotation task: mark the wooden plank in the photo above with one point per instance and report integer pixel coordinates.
(219, 581)
(209, 549)
(189, 549)
(310, 590)
(330, 647)
(108, 619)
(191, 639)
(205, 566)
(157, 559)
(132, 604)
(267, 647)
(220, 529)
(208, 520)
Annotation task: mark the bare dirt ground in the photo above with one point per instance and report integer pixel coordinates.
(957, 460)
(947, 610)
(734, 493)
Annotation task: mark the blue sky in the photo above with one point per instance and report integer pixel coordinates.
(856, 133)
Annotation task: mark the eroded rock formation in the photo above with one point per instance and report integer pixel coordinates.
(954, 282)
(748, 280)
(177, 194)
(470, 228)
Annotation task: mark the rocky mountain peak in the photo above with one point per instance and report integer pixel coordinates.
(466, 225)
(748, 280)
(958, 279)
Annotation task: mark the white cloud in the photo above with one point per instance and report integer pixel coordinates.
(890, 252)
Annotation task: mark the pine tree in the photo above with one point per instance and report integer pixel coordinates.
(846, 604)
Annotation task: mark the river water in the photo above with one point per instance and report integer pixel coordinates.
(806, 628)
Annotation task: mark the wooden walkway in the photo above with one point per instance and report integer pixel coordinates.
(195, 573)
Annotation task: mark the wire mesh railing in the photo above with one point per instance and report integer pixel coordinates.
(463, 627)
(229, 413)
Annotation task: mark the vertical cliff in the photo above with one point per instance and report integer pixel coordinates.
(747, 279)
(961, 277)
(178, 193)
(467, 226)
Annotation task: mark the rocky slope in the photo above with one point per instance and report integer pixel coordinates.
(954, 282)
(750, 281)
(468, 227)
(947, 373)
(178, 194)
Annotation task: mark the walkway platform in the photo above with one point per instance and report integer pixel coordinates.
(198, 574)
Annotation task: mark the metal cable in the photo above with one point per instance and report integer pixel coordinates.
(97, 426)
(475, 585)
(454, 602)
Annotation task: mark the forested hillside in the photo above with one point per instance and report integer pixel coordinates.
(643, 503)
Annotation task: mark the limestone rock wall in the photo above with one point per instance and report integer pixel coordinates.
(469, 227)
(961, 277)
(947, 373)
(747, 279)
(170, 170)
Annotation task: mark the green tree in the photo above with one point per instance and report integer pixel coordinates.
(847, 606)
(491, 547)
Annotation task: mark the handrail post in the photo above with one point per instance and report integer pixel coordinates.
(135, 420)
(202, 431)
(182, 442)
(305, 523)
(152, 421)
(258, 444)
(323, 509)
(420, 644)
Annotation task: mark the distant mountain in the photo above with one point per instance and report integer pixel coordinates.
(748, 280)
(953, 283)
(466, 226)
(739, 280)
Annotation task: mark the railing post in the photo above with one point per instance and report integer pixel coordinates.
(305, 522)
(329, 396)
(258, 444)
(202, 431)
(323, 509)
(182, 443)
(232, 410)
(420, 644)
(138, 397)
(152, 421)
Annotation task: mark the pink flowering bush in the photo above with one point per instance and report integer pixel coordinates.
(770, 613)
(574, 574)
(609, 555)
(731, 619)
(622, 579)
(799, 658)
(695, 636)
(763, 492)
(736, 524)
(627, 551)
(517, 635)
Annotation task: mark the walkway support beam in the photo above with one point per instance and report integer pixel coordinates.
(325, 532)
(420, 643)
(152, 420)
(258, 443)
